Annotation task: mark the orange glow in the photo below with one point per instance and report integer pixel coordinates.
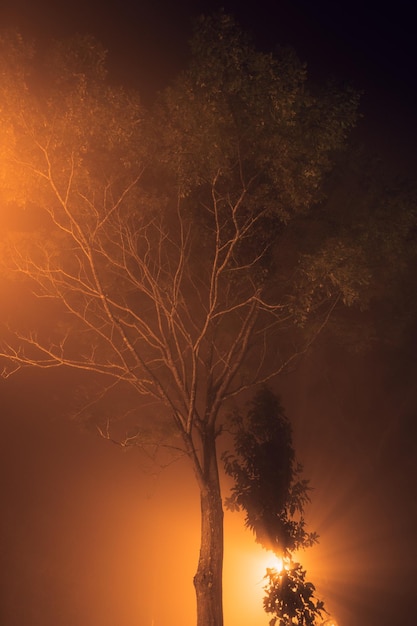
(245, 568)
(272, 561)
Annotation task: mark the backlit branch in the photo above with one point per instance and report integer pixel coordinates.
(171, 292)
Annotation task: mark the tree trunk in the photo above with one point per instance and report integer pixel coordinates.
(208, 581)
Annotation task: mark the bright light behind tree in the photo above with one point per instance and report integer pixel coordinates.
(271, 561)
(256, 562)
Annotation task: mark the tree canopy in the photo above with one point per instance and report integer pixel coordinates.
(171, 251)
(116, 204)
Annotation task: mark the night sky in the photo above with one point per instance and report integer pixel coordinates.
(89, 539)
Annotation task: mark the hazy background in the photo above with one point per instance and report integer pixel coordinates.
(90, 539)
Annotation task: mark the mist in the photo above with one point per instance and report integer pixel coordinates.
(92, 534)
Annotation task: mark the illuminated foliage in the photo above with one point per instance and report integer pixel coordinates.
(291, 598)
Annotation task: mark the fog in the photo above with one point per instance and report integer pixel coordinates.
(91, 535)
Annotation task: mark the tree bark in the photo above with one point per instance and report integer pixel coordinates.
(208, 581)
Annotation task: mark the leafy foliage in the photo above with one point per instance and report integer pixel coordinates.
(250, 120)
(268, 485)
(379, 217)
(72, 136)
(291, 598)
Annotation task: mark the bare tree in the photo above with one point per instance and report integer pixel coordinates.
(154, 244)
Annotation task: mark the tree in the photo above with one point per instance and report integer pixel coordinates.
(267, 481)
(157, 244)
(291, 598)
(268, 487)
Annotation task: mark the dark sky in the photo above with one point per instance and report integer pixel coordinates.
(353, 39)
(373, 48)
(78, 516)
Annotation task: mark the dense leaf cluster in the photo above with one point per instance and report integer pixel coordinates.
(251, 120)
(269, 488)
(291, 598)
(268, 485)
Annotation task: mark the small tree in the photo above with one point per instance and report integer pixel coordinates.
(268, 487)
(155, 244)
(290, 598)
